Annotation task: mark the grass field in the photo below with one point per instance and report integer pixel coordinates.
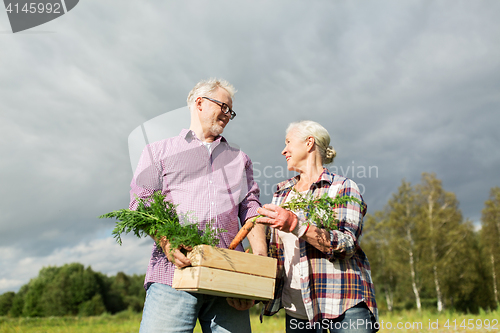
(128, 322)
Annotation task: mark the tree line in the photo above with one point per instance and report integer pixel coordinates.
(74, 290)
(424, 254)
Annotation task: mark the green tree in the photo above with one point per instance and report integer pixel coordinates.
(93, 307)
(490, 238)
(16, 309)
(404, 225)
(135, 293)
(75, 290)
(446, 239)
(464, 273)
(391, 240)
(376, 243)
(39, 290)
(32, 305)
(71, 286)
(6, 301)
(125, 292)
(420, 245)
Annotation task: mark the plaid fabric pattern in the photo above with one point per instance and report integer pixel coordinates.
(339, 279)
(214, 186)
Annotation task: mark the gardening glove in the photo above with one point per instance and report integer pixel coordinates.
(278, 217)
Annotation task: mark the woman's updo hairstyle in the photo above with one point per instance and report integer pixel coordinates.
(307, 128)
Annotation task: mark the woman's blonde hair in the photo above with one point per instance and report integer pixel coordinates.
(307, 128)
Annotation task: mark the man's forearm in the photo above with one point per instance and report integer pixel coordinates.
(257, 239)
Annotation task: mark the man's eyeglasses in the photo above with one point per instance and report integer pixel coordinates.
(223, 106)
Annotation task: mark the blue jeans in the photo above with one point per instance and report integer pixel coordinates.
(357, 319)
(170, 310)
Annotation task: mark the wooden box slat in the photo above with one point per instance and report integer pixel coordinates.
(227, 273)
(223, 283)
(230, 260)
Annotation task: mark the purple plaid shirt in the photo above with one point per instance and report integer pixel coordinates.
(215, 186)
(339, 279)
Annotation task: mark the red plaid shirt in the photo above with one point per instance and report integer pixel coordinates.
(339, 279)
(215, 186)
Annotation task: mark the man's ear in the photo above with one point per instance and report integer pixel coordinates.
(197, 104)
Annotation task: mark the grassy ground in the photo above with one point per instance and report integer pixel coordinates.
(99, 324)
(409, 321)
(427, 321)
(125, 322)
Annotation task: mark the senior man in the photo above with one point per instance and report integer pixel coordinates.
(201, 173)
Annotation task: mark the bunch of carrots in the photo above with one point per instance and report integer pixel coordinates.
(318, 210)
(158, 217)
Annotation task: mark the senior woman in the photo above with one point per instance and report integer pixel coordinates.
(324, 279)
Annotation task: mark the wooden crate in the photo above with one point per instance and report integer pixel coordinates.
(227, 273)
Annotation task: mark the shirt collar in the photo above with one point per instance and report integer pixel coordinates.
(190, 135)
(326, 176)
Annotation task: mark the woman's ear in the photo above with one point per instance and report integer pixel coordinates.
(310, 143)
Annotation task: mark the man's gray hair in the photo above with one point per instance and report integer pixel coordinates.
(205, 88)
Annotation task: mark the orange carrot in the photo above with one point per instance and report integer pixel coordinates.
(240, 236)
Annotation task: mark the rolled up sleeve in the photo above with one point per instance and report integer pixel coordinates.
(147, 177)
(250, 203)
(344, 241)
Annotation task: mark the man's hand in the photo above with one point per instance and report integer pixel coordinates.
(176, 257)
(240, 304)
(277, 217)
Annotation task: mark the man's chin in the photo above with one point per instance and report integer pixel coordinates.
(217, 130)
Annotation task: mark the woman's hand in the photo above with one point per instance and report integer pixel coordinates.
(277, 217)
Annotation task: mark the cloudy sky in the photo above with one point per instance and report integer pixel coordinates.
(403, 87)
